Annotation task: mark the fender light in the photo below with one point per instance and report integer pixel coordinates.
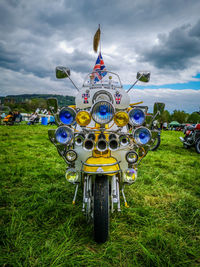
(71, 155)
(63, 134)
(102, 112)
(137, 116)
(131, 157)
(71, 175)
(67, 115)
(130, 176)
(83, 118)
(142, 135)
(121, 118)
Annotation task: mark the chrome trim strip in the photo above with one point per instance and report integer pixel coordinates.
(111, 172)
(100, 165)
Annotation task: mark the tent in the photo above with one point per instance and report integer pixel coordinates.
(174, 124)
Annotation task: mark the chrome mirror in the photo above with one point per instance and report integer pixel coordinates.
(62, 72)
(158, 107)
(52, 105)
(143, 76)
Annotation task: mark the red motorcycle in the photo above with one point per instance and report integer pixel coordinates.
(192, 137)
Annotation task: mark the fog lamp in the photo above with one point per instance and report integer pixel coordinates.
(131, 157)
(130, 176)
(137, 116)
(121, 118)
(83, 118)
(67, 115)
(142, 135)
(63, 134)
(71, 155)
(71, 175)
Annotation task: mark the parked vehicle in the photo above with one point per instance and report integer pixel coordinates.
(192, 137)
(102, 139)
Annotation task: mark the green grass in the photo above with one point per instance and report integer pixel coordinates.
(40, 227)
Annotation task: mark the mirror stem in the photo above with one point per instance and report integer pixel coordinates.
(134, 83)
(72, 81)
(153, 118)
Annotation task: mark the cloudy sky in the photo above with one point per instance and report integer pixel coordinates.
(162, 36)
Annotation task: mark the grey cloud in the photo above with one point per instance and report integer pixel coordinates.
(32, 30)
(176, 49)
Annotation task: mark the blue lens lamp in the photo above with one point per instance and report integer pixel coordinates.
(142, 135)
(63, 135)
(67, 115)
(136, 116)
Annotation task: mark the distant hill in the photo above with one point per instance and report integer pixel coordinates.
(62, 100)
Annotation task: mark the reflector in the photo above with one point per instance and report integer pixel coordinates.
(137, 116)
(64, 134)
(67, 115)
(142, 135)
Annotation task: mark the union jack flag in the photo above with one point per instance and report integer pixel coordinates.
(98, 75)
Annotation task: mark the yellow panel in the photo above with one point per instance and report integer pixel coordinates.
(101, 161)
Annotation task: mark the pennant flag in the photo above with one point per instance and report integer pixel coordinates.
(96, 39)
(99, 69)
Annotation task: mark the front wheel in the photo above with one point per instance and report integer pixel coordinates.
(156, 144)
(101, 209)
(197, 146)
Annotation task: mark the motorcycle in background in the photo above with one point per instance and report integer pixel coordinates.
(192, 137)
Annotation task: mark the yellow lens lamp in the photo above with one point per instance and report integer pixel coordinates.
(121, 118)
(83, 118)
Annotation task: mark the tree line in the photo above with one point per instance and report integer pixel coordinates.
(180, 116)
(29, 103)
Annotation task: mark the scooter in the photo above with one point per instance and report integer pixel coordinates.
(192, 137)
(102, 139)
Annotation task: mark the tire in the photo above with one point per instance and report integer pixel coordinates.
(197, 146)
(186, 146)
(101, 209)
(156, 144)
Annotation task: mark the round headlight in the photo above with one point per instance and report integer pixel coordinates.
(142, 135)
(130, 176)
(137, 116)
(102, 112)
(83, 118)
(71, 155)
(67, 115)
(71, 175)
(131, 157)
(121, 118)
(63, 134)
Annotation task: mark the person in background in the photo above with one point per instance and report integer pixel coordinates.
(165, 126)
(3, 115)
(52, 120)
(33, 118)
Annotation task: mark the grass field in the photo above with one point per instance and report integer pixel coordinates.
(40, 227)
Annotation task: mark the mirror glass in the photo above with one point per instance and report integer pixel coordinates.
(62, 72)
(52, 105)
(143, 76)
(158, 107)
